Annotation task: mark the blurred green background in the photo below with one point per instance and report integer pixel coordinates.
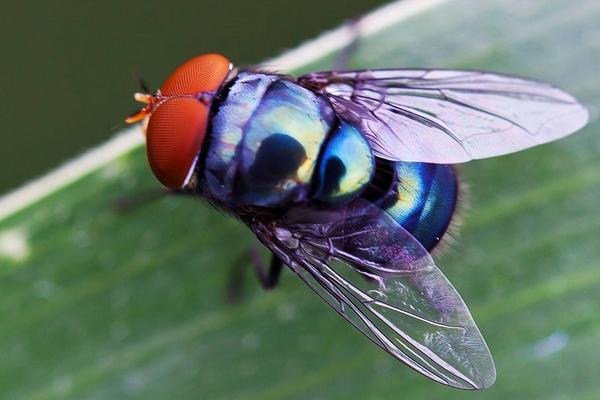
(95, 304)
(67, 66)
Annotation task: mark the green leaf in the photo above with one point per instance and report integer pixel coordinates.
(99, 304)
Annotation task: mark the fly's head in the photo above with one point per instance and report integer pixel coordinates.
(177, 117)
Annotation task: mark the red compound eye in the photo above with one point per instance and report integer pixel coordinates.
(177, 126)
(200, 74)
(175, 133)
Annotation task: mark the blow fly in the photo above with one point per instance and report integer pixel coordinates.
(347, 178)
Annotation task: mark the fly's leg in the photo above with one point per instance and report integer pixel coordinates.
(268, 277)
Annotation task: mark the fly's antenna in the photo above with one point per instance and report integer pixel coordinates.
(141, 82)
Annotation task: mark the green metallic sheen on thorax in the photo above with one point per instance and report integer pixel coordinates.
(281, 145)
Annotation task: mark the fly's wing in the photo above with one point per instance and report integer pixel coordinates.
(382, 281)
(448, 116)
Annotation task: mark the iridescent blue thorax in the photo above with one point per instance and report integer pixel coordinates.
(345, 167)
(274, 143)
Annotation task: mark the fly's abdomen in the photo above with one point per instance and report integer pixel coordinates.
(427, 196)
(421, 197)
(345, 166)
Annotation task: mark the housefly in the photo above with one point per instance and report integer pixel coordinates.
(347, 178)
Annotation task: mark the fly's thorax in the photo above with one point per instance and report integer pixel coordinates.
(264, 142)
(226, 131)
(345, 167)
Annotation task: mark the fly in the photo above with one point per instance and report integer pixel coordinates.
(347, 178)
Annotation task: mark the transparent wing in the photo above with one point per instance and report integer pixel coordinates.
(448, 116)
(382, 281)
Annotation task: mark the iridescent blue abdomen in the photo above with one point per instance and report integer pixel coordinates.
(422, 198)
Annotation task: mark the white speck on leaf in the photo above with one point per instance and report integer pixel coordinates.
(250, 341)
(286, 312)
(13, 245)
(134, 383)
(549, 345)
